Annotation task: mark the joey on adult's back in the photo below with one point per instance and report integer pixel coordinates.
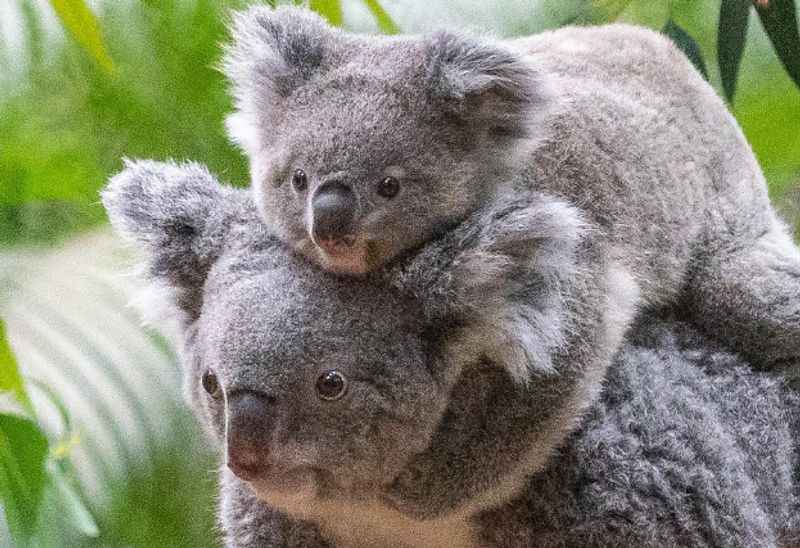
(362, 148)
(365, 147)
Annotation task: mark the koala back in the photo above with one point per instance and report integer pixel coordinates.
(648, 151)
(687, 446)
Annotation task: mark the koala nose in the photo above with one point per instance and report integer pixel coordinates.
(333, 211)
(250, 416)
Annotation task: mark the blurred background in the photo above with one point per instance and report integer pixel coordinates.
(81, 87)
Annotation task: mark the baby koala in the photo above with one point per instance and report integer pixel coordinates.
(350, 419)
(362, 148)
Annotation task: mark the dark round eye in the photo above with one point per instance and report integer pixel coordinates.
(299, 180)
(210, 384)
(331, 385)
(389, 187)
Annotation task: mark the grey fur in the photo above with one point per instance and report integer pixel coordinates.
(434, 444)
(168, 210)
(351, 116)
(614, 121)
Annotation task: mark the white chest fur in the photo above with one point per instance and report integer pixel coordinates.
(374, 525)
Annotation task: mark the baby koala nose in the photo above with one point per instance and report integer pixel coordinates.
(333, 209)
(249, 420)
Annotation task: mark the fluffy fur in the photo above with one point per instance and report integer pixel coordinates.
(427, 112)
(614, 121)
(433, 444)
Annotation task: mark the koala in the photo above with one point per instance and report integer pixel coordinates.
(357, 413)
(362, 148)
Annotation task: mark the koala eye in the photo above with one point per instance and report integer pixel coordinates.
(299, 180)
(389, 187)
(331, 385)
(211, 384)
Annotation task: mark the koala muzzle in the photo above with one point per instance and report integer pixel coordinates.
(333, 212)
(248, 429)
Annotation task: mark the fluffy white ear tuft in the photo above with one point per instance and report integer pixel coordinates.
(272, 53)
(177, 216)
(243, 132)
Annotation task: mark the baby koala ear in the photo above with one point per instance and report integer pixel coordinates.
(272, 53)
(177, 215)
(486, 84)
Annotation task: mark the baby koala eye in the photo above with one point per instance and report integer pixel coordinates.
(389, 187)
(331, 385)
(299, 180)
(210, 384)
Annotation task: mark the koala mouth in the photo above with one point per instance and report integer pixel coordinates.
(336, 247)
(348, 255)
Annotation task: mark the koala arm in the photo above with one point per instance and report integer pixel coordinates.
(250, 523)
(512, 270)
(489, 256)
(531, 308)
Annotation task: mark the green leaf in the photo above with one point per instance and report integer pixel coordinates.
(603, 11)
(385, 22)
(687, 44)
(23, 449)
(72, 503)
(731, 36)
(82, 24)
(10, 378)
(648, 13)
(329, 9)
(779, 18)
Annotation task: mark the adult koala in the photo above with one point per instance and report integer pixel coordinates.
(363, 148)
(354, 414)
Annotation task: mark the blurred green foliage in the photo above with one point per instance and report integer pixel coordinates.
(65, 127)
(34, 468)
(82, 24)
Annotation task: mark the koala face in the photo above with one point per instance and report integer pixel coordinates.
(351, 189)
(309, 383)
(363, 148)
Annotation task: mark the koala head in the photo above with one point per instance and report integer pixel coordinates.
(327, 386)
(309, 380)
(364, 147)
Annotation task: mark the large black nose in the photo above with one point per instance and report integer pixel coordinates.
(333, 211)
(250, 418)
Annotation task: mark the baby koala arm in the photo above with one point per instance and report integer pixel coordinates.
(520, 269)
(489, 255)
(531, 308)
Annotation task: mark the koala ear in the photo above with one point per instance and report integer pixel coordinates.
(177, 215)
(485, 84)
(503, 272)
(272, 53)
